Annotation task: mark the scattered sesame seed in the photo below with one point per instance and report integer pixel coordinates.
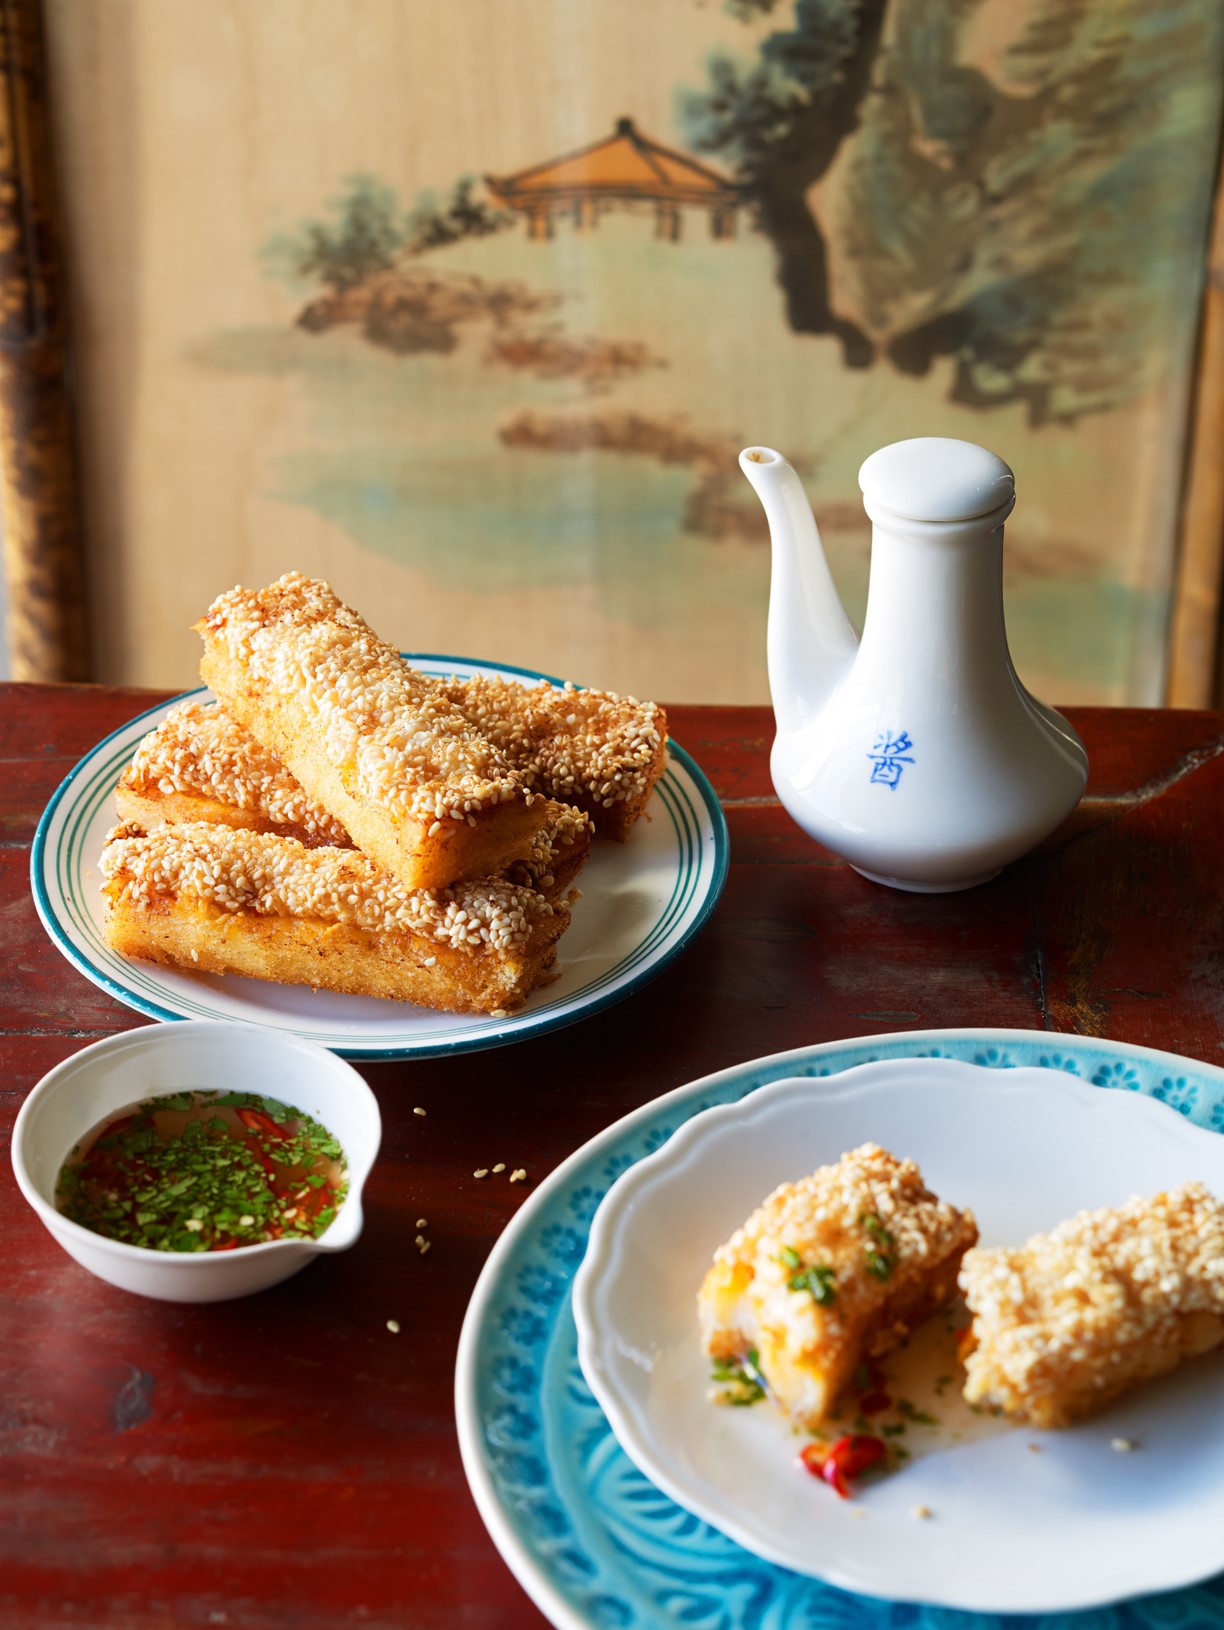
(481, 1171)
(922, 1511)
(423, 1247)
(500, 1167)
(421, 1222)
(518, 1175)
(1123, 1445)
(418, 1111)
(420, 1239)
(393, 1325)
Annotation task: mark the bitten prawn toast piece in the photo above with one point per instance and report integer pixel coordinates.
(1103, 1302)
(378, 745)
(831, 1270)
(200, 764)
(224, 900)
(601, 752)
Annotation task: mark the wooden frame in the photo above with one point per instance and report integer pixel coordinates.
(42, 535)
(44, 553)
(1195, 672)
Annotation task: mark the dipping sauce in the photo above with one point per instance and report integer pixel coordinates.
(204, 1171)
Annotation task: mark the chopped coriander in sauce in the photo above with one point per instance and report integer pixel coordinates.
(204, 1171)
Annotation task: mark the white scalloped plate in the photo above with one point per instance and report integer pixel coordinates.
(642, 902)
(1074, 1525)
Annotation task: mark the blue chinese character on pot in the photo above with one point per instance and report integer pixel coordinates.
(889, 757)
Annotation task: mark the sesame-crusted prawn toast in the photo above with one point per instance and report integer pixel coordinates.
(200, 764)
(219, 899)
(836, 1268)
(378, 745)
(1107, 1300)
(591, 748)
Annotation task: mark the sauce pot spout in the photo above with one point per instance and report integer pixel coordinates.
(811, 644)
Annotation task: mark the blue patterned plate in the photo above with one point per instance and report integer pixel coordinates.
(591, 1539)
(1074, 1525)
(642, 902)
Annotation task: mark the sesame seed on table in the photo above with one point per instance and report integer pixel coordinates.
(290, 1460)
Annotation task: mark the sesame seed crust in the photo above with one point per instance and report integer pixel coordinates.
(201, 750)
(381, 747)
(595, 749)
(407, 743)
(806, 1350)
(1106, 1300)
(200, 764)
(557, 851)
(217, 900)
(235, 870)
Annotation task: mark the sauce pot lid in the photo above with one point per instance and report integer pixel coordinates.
(936, 478)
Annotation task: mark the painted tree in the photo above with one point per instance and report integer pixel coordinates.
(432, 225)
(780, 123)
(1031, 205)
(362, 239)
(1042, 227)
(368, 233)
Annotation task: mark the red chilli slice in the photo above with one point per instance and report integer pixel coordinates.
(836, 1464)
(256, 1121)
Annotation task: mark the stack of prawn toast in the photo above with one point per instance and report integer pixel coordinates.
(199, 764)
(340, 820)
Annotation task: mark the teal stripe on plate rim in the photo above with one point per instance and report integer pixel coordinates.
(61, 856)
(591, 1538)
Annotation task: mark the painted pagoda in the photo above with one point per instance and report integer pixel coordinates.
(626, 171)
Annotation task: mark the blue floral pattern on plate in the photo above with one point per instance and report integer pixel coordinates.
(597, 1543)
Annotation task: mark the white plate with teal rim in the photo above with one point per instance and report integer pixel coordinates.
(1021, 1521)
(642, 902)
(597, 1544)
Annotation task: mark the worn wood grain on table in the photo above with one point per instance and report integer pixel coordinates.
(286, 1462)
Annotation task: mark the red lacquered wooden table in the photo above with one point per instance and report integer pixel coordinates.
(286, 1461)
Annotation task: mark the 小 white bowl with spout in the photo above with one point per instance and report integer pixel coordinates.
(192, 1056)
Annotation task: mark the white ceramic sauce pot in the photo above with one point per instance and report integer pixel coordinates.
(915, 753)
